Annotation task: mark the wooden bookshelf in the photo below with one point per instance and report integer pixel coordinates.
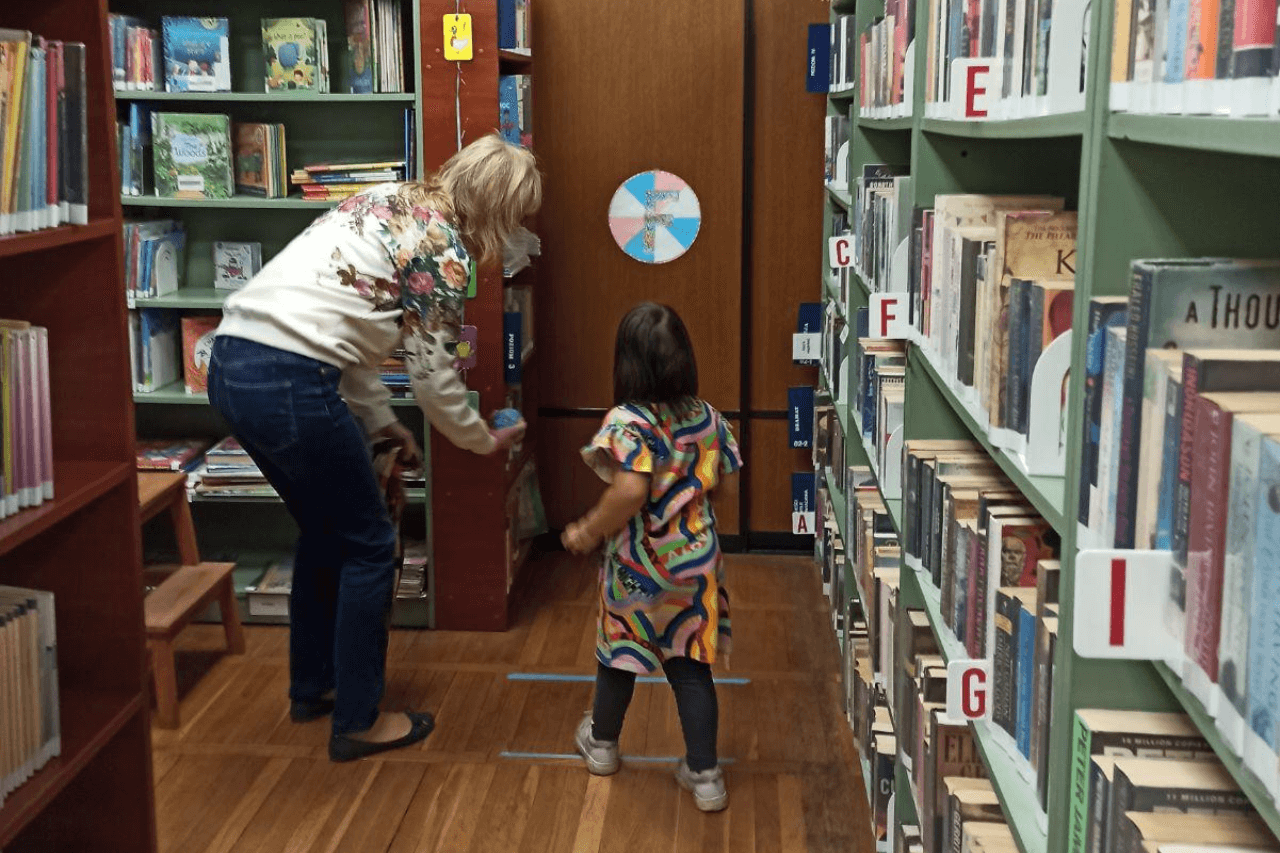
(84, 545)
(468, 492)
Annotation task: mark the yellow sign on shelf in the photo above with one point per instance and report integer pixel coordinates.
(458, 43)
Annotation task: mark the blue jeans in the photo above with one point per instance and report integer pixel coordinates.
(285, 411)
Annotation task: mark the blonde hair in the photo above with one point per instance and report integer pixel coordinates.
(488, 188)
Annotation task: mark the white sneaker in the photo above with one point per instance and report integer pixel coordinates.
(601, 755)
(706, 786)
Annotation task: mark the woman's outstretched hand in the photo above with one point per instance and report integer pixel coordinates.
(508, 436)
(410, 452)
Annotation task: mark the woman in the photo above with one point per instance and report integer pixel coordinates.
(294, 371)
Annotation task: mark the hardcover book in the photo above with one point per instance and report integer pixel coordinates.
(197, 347)
(192, 155)
(197, 54)
(295, 52)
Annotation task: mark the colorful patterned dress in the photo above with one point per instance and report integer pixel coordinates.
(662, 588)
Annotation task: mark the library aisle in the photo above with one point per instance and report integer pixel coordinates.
(239, 776)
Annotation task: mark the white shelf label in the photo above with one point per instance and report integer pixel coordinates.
(802, 523)
(1119, 605)
(806, 346)
(969, 689)
(887, 317)
(840, 251)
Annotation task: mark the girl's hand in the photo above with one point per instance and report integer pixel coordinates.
(577, 539)
(410, 453)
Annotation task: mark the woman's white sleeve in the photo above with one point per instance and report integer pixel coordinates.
(367, 397)
(442, 395)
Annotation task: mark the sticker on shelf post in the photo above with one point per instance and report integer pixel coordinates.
(1121, 597)
(840, 251)
(458, 44)
(969, 689)
(887, 316)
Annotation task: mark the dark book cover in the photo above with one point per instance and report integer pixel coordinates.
(1020, 329)
(1004, 686)
(953, 752)
(1102, 769)
(1187, 303)
(1046, 643)
(969, 805)
(970, 254)
(1025, 673)
(1104, 311)
(1254, 43)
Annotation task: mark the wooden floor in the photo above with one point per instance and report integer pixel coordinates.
(239, 776)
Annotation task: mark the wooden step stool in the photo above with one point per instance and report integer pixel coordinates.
(185, 592)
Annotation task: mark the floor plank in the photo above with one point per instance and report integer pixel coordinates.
(239, 776)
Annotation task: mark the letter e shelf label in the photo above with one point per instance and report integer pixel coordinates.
(969, 689)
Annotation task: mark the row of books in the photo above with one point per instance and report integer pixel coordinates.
(193, 54)
(886, 67)
(1195, 57)
(993, 561)
(26, 423)
(978, 266)
(44, 180)
(515, 109)
(843, 55)
(1032, 54)
(1184, 459)
(513, 25)
(879, 400)
(30, 720)
(227, 471)
(835, 151)
(167, 346)
(879, 222)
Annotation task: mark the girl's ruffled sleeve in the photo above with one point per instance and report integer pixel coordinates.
(621, 445)
(730, 456)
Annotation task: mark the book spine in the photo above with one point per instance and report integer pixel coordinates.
(1042, 713)
(1092, 411)
(1099, 797)
(1168, 489)
(1131, 410)
(1026, 627)
(1237, 574)
(1119, 801)
(1263, 686)
(1207, 527)
(1186, 431)
(976, 621)
(1253, 38)
(1003, 708)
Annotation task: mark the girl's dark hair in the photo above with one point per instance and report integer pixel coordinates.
(653, 358)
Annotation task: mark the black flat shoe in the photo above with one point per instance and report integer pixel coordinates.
(304, 711)
(343, 748)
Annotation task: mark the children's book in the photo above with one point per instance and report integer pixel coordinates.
(197, 54)
(197, 346)
(192, 155)
(235, 263)
(296, 54)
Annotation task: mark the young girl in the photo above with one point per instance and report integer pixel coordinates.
(662, 597)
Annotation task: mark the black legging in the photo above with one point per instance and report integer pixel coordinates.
(695, 701)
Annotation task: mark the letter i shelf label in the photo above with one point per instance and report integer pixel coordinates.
(1118, 607)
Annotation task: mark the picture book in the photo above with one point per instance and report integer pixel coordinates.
(235, 263)
(197, 54)
(197, 346)
(296, 54)
(192, 155)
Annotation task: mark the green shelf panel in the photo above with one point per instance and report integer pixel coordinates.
(239, 202)
(900, 123)
(1039, 127)
(895, 512)
(843, 96)
(841, 197)
(1248, 783)
(1017, 794)
(173, 394)
(842, 414)
(1047, 494)
(268, 97)
(1259, 137)
(862, 282)
(187, 297)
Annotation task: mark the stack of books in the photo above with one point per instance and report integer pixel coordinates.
(44, 180)
(26, 424)
(228, 472)
(135, 54)
(336, 181)
(155, 258)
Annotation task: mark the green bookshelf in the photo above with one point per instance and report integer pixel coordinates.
(1144, 186)
(317, 129)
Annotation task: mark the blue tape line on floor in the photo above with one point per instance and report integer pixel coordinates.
(643, 679)
(536, 756)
